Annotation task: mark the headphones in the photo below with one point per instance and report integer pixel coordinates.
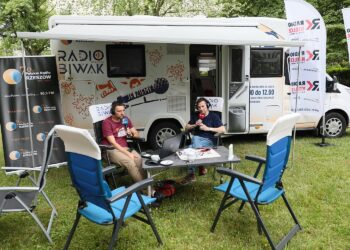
(201, 99)
(115, 104)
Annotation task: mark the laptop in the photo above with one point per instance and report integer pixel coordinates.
(170, 146)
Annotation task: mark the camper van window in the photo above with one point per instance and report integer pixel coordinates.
(236, 65)
(126, 60)
(266, 62)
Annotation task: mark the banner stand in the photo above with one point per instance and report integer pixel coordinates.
(296, 102)
(30, 106)
(306, 24)
(323, 142)
(28, 109)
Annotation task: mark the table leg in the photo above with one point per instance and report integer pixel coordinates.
(149, 188)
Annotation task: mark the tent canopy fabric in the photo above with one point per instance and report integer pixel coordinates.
(212, 31)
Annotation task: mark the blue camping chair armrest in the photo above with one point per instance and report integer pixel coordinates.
(108, 170)
(260, 160)
(255, 158)
(132, 189)
(236, 174)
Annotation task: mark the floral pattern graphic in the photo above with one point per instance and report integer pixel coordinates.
(68, 88)
(68, 119)
(81, 104)
(176, 72)
(155, 56)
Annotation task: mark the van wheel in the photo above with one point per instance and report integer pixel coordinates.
(335, 125)
(162, 131)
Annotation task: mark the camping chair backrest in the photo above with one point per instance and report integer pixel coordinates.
(48, 145)
(98, 113)
(216, 104)
(278, 148)
(84, 161)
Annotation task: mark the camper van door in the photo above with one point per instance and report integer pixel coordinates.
(266, 87)
(238, 89)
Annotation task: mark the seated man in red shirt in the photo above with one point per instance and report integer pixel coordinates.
(115, 130)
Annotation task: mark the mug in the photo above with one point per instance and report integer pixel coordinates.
(155, 157)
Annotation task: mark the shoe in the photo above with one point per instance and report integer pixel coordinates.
(202, 170)
(188, 179)
(159, 196)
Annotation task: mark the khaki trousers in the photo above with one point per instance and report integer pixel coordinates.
(134, 166)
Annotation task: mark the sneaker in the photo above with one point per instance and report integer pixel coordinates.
(188, 179)
(159, 198)
(202, 170)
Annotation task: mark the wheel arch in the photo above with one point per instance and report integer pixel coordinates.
(339, 111)
(162, 129)
(160, 120)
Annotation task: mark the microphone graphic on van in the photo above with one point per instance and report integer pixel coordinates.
(160, 86)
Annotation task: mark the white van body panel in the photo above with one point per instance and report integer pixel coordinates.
(167, 91)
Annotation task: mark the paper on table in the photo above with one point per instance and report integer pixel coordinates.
(201, 153)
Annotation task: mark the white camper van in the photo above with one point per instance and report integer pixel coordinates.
(159, 66)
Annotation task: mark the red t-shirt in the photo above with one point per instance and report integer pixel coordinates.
(117, 129)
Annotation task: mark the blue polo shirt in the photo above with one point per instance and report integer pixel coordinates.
(212, 120)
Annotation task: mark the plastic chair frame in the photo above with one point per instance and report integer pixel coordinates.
(18, 192)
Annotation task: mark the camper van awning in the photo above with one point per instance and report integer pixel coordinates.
(255, 35)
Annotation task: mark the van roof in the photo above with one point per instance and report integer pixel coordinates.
(175, 30)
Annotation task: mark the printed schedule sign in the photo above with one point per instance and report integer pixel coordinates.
(28, 116)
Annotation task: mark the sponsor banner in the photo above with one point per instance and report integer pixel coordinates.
(307, 64)
(28, 116)
(346, 17)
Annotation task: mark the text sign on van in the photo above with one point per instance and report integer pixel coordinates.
(100, 112)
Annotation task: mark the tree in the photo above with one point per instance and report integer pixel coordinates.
(23, 15)
(268, 8)
(330, 10)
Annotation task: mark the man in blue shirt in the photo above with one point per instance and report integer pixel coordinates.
(204, 125)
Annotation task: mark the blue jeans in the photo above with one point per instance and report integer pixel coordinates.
(199, 142)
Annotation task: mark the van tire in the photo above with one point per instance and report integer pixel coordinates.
(162, 131)
(335, 125)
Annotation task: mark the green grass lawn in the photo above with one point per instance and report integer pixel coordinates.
(317, 186)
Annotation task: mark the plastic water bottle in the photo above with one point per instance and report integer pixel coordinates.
(230, 152)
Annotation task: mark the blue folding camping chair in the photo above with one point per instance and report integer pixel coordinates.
(245, 188)
(97, 202)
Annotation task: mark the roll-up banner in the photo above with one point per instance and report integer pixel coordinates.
(346, 17)
(40, 106)
(308, 64)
